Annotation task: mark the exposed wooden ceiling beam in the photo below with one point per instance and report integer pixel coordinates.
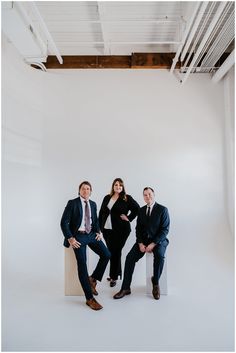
(134, 61)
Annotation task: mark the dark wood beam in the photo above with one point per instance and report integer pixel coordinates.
(134, 61)
(152, 61)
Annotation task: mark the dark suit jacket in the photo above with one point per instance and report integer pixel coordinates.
(156, 229)
(120, 207)
(72, 217)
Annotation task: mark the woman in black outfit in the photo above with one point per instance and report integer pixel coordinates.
(117, 211)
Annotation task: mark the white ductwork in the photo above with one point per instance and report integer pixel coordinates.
(185, 36)
(194, 29)
(210, 34)
(205, 38)
(225, 67)
(19, 28)
(50, 40)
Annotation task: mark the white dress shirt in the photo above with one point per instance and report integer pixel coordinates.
(108, 224)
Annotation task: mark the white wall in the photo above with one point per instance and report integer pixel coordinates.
(229, 99)
(62, 127)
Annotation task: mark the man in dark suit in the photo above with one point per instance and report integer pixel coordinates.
(151, 231)
(80, 227)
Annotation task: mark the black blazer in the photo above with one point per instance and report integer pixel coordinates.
(129, 207)
(72, 218)
(156, 229)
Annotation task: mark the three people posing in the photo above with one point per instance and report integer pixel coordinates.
(80, 227)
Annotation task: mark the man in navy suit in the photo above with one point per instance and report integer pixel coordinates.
(80, 227)
(151, 231)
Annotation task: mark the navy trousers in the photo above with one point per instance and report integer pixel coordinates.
(104, 256)
(135, 255)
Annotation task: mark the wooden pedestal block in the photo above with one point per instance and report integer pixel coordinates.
(72, 283)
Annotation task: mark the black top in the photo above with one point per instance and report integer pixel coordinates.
(129, 207)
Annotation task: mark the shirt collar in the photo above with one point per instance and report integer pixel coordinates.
(82, 199)
(151, 206)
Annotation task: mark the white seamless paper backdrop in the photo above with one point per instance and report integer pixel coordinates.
(65, 126)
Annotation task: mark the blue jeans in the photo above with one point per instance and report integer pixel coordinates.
(104, 256)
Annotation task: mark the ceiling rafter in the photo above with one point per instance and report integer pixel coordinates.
(102, 13)
(189, 31)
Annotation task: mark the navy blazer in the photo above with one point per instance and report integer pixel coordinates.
(129, 207)
(72, 218)
(156, 229)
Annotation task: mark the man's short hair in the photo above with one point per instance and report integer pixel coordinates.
(148, 187)
(85, 183)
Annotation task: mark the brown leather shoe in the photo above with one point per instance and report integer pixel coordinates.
(93, 304)
(93, 284)
(122, 293)
(156, 290)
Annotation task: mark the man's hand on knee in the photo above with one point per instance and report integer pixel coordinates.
(74, 243)
(150, 247)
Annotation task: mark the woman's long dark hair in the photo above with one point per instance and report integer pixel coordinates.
(122, 195)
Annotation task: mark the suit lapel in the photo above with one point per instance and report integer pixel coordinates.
(79, 204)
(92, 211)
(80, 211)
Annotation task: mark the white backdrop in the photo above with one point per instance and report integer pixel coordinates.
(65, 126)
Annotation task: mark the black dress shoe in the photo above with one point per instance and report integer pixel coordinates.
(122, 293)
(156, 290)
(112, 283)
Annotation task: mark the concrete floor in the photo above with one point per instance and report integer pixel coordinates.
(196, 315)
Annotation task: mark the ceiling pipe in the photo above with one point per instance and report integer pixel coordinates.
(185, 35)
(219, 49)
(220, 44)
(219, 35)
(19, 7)
(225, 67)
(189, 25)
(198, 36)
(46, 32)
(194, 29)
(206, 36)
(40, 65)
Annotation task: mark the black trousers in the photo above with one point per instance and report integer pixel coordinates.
(115, 242)
(135, 255)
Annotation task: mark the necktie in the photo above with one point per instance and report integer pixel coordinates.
(148, 218)
(87, 218)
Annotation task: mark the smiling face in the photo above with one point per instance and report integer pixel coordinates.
(117, 187)
(149, 196)
(85, 191)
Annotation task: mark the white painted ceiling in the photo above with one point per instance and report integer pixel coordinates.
(116, 27)
(113, 28)
(122, 28)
